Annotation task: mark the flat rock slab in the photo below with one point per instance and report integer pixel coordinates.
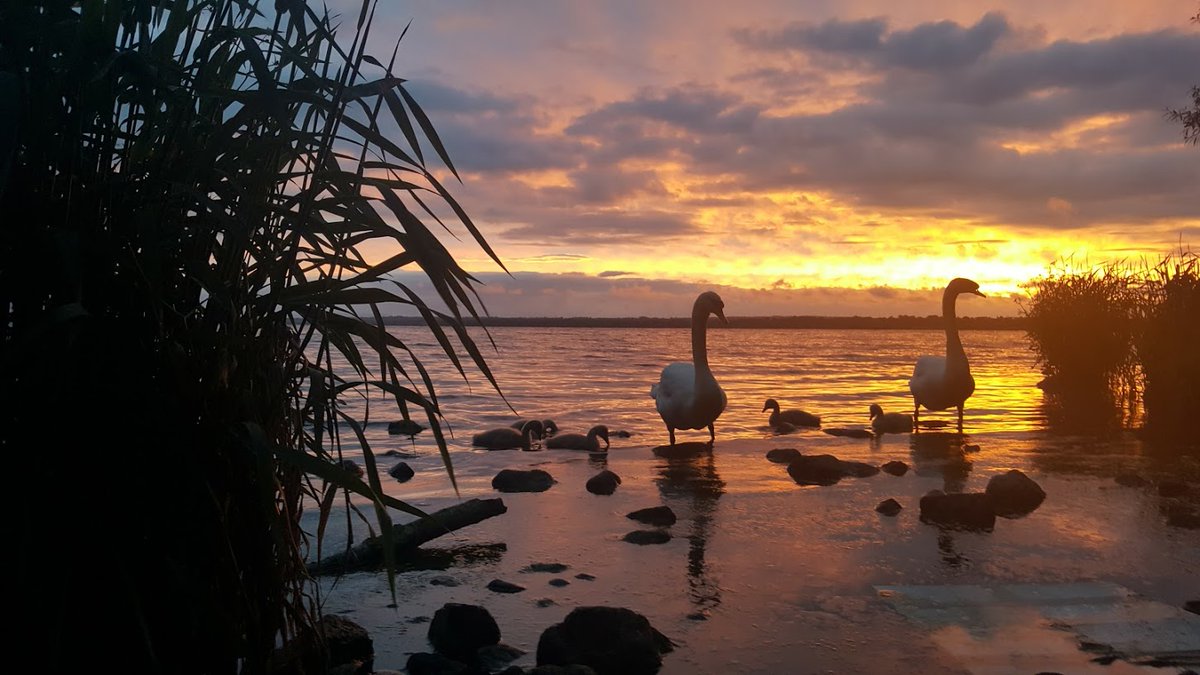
(783, 455)
(849, 433)
(1045, 627)
(552, 568)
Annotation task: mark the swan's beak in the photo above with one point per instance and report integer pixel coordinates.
(976, 292)
(721, 315)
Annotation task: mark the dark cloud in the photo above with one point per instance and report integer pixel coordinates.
(606, 274)
(937, 45)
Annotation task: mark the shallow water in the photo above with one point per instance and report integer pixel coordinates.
(763, 575)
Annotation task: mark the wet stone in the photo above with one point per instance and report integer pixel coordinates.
(402, 472)
(501, 586)
(459, 630)
(849, 433)
(495, 657)
(514, 480)
(419, 619)
(895, 468)
(603, 483)
(1014, 494)
(658, 516)
(585, 576)
(400, 454)
(347, 641)
(970, 511)
(443, 580)
(404, 428)
(889, 507)
(607, 639)
(644, 537)
(553, 568)
(559, 582)
(783, 455)
(544, 602)
(1192, 606)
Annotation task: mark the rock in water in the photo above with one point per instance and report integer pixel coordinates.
(826, 469)
(610, 640)
(896, 468)
(402, 472)
(971, 511)
(1014, 494)
(889, 507)
(502, 586)
(849, 433)
(603, 483)
(347, 642)
(513, 480)
(424, 663)
(783, 455)
(553, 568)
(458, 630)
(644, 537)
(404, 428)
(659, 516)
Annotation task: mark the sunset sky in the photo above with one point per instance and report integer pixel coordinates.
(802, 157)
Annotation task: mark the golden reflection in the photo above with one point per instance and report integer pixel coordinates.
(689, 483)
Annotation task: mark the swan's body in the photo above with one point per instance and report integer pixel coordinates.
(506, 438)
(687, 395)
(796, 418)
(549, 428)
(590, 442)
(889, 423)
(941, 382)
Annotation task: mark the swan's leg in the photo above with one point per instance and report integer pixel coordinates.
(712, 434)
(960, 415)
(916, 415)
(671, 430)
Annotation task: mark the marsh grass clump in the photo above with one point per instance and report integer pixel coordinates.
(1123, 337)
(1167, 341)
(1081, 325)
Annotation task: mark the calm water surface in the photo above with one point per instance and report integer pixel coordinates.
(762, 575)
(585, 376)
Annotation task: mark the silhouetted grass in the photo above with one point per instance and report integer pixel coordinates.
(187, 192)
(1167, 340)
(1129, 328)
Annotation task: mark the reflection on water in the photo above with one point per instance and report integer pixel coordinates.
(689, 484)
(586, 376)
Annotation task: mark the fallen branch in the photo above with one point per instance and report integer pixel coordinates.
(407, 537)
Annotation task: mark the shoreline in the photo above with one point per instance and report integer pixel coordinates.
(767, 574)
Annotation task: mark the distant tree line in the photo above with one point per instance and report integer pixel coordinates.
(902, 322)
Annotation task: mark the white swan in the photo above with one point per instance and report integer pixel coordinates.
(505, 438)
(889, 423)
(579, 441)
(797, 418)
(687, 395)
(940, 382)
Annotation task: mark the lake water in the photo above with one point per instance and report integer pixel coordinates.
(762, 575)
(585, 376)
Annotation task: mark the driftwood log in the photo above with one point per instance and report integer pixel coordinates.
(407, 537)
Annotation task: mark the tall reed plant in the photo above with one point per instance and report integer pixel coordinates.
(1130, 328)
(1168, 342)
(201, 202)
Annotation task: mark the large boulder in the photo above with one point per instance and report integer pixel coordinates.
(1014, 494)
(348, 642)
(514, 480)
(458, 631)
(610, 640)
(969, 511)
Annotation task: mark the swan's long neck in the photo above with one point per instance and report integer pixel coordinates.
(956, 358)
(700, 342)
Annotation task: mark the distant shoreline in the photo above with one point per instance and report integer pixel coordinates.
(932, 322)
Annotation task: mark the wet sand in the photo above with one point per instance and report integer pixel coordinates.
(764, 575)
